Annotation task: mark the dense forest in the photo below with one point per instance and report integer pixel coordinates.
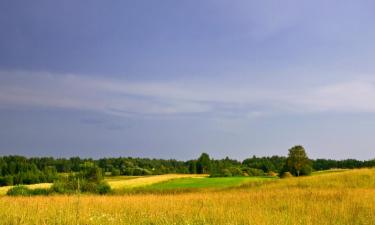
(23, 170)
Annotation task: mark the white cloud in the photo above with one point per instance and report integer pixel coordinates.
(152, 98)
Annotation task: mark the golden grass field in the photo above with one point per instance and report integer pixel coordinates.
(119, 183)
(330, 198)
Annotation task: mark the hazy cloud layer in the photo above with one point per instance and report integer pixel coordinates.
(152, 98)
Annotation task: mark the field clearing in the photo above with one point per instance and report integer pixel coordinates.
(329, 199)
(216, 182)
(149, 180)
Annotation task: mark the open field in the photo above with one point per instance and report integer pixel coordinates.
(205, 182)
(331, 198)
(125, 182)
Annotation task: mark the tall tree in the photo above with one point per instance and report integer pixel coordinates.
(297, 160)
(203, 163)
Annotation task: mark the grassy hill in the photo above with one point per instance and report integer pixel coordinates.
(329, 198)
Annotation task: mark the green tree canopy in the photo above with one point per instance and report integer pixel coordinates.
(297, 162)
(203, 164)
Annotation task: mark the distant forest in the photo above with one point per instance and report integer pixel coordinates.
(22, 170)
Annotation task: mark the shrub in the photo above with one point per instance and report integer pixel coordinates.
(40, 191)
(90, 187)
(65, 186)
(90, 181)
(19, 190)
(6, 181)
(306, 170)
(221, 173)
(254, 172)
(103, 188)
(115, 172)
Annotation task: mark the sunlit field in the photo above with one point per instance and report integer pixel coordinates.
(129, 182)
(330, 198)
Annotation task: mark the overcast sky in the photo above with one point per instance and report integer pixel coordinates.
(171, 79)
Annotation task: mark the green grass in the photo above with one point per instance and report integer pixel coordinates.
(205, 182)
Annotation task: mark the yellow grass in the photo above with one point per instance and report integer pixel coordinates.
(332, 198)
(144, 181)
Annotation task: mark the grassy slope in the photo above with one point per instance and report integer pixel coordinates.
(328, 199)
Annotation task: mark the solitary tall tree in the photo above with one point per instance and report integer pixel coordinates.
(297, 160)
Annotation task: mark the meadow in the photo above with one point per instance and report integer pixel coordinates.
(344, 197)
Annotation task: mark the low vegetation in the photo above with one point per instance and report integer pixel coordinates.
(15, 170)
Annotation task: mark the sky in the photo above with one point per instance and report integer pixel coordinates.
(172, 79)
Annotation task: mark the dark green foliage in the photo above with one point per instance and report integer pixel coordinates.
(297, 162)
(221, 173)
(40, 191)
(203, 164)
(19, 190)
(192, 166)
(267, 164)
(236, 172)
(88, 180)
(103, 188)
(306, 170)
(6, 181)
(225, 173)
(254, 172)
(16, 170)
(115, 172)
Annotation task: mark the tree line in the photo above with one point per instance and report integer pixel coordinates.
(22, 170)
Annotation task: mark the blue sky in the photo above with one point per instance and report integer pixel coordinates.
(171, 79)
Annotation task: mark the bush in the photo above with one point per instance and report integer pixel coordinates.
(6, 181)
(115, 172)
(90, 187)
(306, 170)
(58, 187)
(40, 191)
(103, 188)
(65, 185)
(254, 172)
(235, 171)
(19, 190)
